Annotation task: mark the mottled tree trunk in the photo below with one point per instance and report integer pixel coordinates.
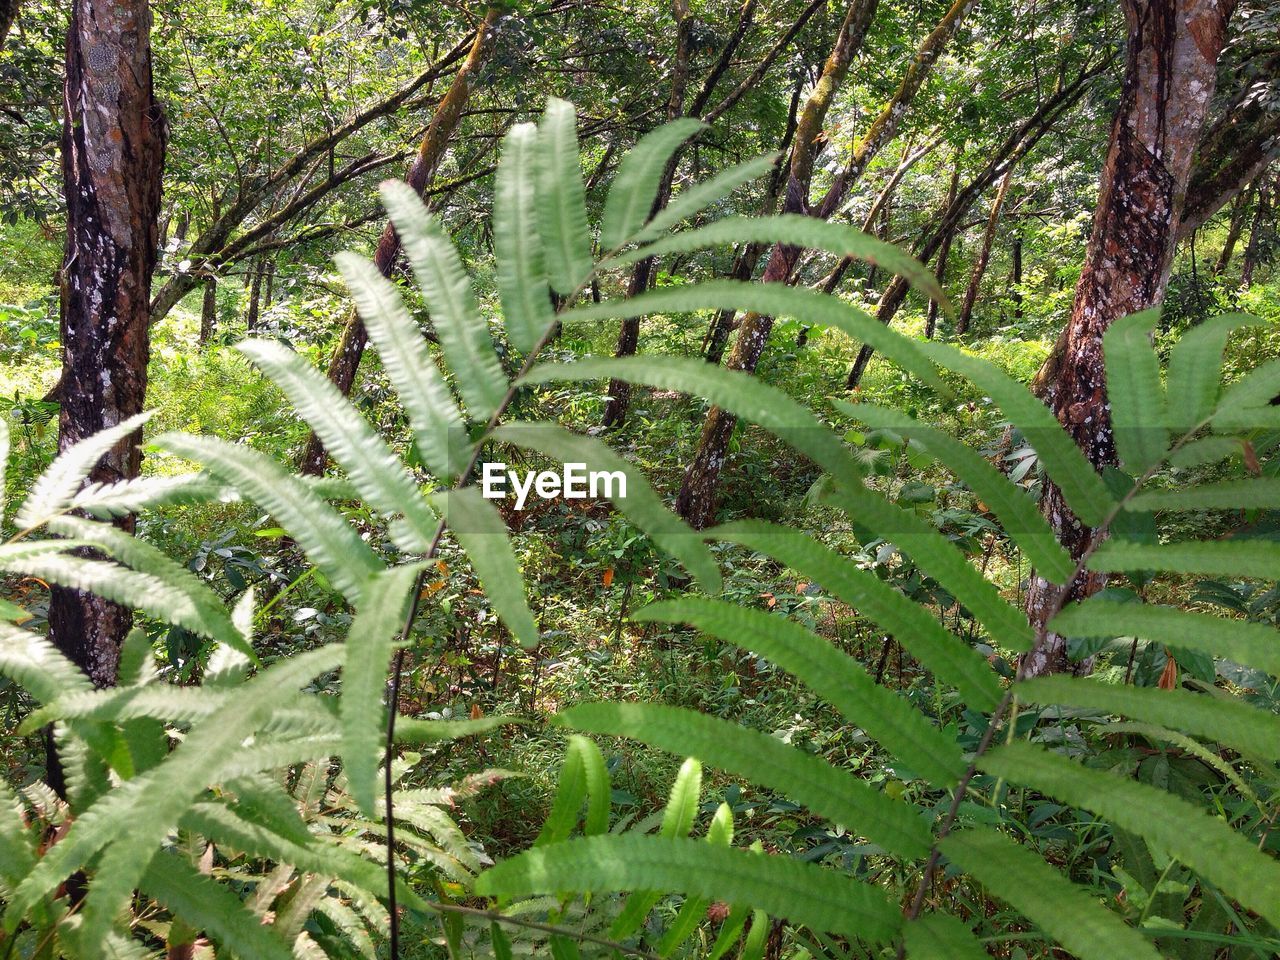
(269, 286)
(112, 156)
(209, 310)
(983, 258)
(346, 357)
(1173, 49)
(697, 498)
(253, 313)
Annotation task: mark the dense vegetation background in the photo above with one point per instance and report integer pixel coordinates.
(178, 176)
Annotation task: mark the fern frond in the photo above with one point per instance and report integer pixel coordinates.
(780, 885)
(1070, 914)
(106, 501)
(696, 197)
(464, 335)
(560, 198)
(1255, 493)
(1195, 369)
(767, 761)
(583, 778)
(1135, 393)
(328, 541)
(831, 674)
(520, 264)
(940, 936)
(635, 186)
(1200, 840)
(38, 666)
(641, 505)
(1231, 558)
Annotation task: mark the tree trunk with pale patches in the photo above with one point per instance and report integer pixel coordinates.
(1173, 49)
(112, 156)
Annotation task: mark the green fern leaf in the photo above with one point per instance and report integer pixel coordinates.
(1255, 493)
(364, 678)
(1085, 493)
(1205, 450)
(106, 501)
(1017, 511)
(697, 197)
(207, 905)
(1069, 913)
(765, 760)
(4, 463)
(795, 230)
(1195, 369)
(939, 558)
(463, 333)
(635, 186)
(775, 299)
(38, 666)
(18, 846)
(1133, 388)
(1230, 558)
(831, 674)
(1231, 722)
(782, 886)
(521, 266)
(477, 525)
(376, 471)
(738, 392)
(694, 909)
(328, 541)
(53, 492)
(940, 936)
(641, 505)
(1179, 828)
(417, 730)
(579, 781)
(438, 426)
(1255, 389)
(928, 641)
(561, 199)
(1250, 644)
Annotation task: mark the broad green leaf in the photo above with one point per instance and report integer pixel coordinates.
(801, 892)
(463, 332)
(1255, 493)
(1017, 511)
(916, 629)
(35, 664)
(1177, 827)
(696, 197)
(326, 538)
(774, 299)
(479, 528)
(1134, 391)
(768, 762)
(792, 229)
(940, 936)
(180, 597)
(520, 265)
(18, 845)
(1251, 644)
(1205, 450)
(579, 782)
(739, 393)
(58, 485)
(561, 200)
(635, 186)
(1255, 389)
(437, 423)
(693, 911)
(105, 501)
(1233, 723)
(641, 504)
(939, 558)
(376, 471)
(1083, 489)
(1195, 369)
(207, 905)
(1069, 913)
(379, 617)
(831, 674)
(417, 730)
(1230, 558)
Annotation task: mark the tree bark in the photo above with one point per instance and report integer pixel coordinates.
(346, 357)
(983, 258)
(1235, 227)
(8, 14)
(1173, 49)
(112, 156)
(696, 500)
(1261, 216)
(944, 253)
(251, 319)
(209, 310)
(1015, 276)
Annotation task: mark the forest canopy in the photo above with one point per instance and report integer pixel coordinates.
(689, 479)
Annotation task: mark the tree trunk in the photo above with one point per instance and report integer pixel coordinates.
(209, 310)
(1261, 216)
(984, 257)
(1015, 276)
(944, 253)
(615, 409)
(8, 14)
(268, 291)
(251, 319)
(1235, 227)
(696, 500)
(346, 358)
(1173, 49)
(112, 157)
